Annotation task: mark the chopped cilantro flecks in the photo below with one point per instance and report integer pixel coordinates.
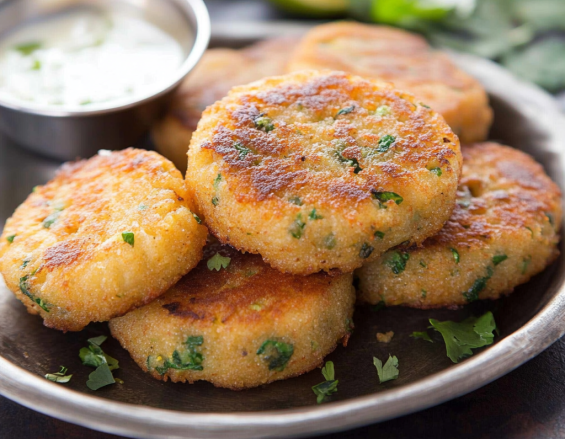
(379, 235)
(550, 218)
(94, 356)
(365, 251)
(425, 106)
(349, 325)
(460, 338)
(315, 216)
(383, 197)
(50, 219)
(217, 262)
(379, 306)
(59, 377)
(387, 372)
(215, 201)
(345, 110)
(197, 218)
(397, 261)
(455, 255)
(329, 386)
(498, 259)
(531, 231)
(436, 171)
(295, 200)
(383, 110)
(217, 181)
(385, 143)
(264, 123)
(525, 264)
(424, 294)
(297, 227)
(28, 48)
(330, 241)
(349, 162)
(129, 238)
(243, 151)
(479, 285)
(188, 358)
(24, 288)
(421, 334)
(10, 238)
(423, 264)
(276, 354)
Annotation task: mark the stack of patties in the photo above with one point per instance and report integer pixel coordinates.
(301, 180)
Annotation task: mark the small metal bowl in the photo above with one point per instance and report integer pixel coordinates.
(67, 135)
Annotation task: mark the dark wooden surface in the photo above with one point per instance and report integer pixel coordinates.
(528, 403)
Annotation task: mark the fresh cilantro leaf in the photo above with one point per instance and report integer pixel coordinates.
(330, 241)
(421, 334)
(328, 371)
(329, 386)
(383, 197)
(51, 219)
(217, 262)
(197, 218)
(460, 338)
(24, 288)
(385, 143)
(128, 238)
(243, 151)
(472, 294)
(365, 251)
(295, 200)
(28, 48)
(10, 238)
(397, 261)
(276, 354)
(437, 171)
(345, 110)
(383, 110)
(379, 306)
(455, 254)
(297, 227)
(315, 216)
(498, 259)
(101, 377)
(217, 181)
(349, 162)
(379, 235)
(387, 372)
(264, 123)
(59, 377)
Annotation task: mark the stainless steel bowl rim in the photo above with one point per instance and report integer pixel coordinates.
(146, 422)
(201, 40)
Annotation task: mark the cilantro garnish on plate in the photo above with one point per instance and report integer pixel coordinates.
(387, 372)
(329, 386)
(94, 356)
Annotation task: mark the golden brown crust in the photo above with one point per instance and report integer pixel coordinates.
(68, 242)
(235, 311)
(325, 145)
(217, 72)
(406, 60)
(504, 229)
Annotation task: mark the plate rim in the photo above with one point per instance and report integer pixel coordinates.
(132, 420)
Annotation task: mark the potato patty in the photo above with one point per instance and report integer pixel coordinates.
(406, 60)
(104, 236)
(322, 170)
(503, 231)
(242, 326)
(217, 72)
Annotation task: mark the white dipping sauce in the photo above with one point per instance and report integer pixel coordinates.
(85, 58)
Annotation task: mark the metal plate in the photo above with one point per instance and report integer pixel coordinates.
(529, 321)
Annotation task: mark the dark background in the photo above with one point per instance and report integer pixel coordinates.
(527, 403)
